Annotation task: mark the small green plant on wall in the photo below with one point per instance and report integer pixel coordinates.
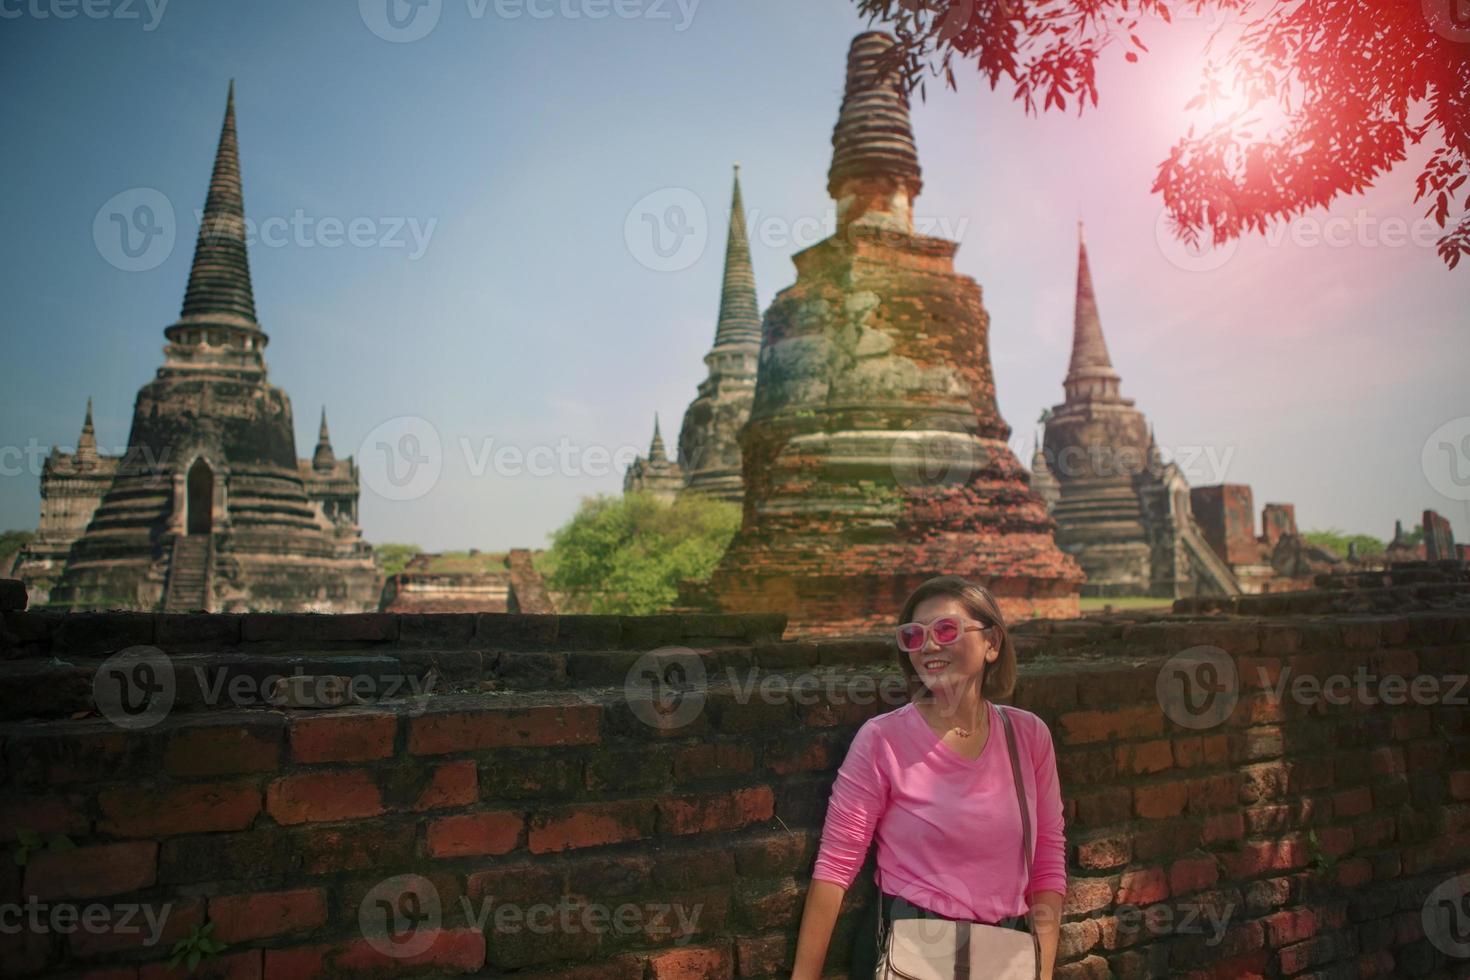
(29, 841)
(196, 947)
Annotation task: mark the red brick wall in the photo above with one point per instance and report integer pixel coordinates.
(1227, 517)
(1313, 834)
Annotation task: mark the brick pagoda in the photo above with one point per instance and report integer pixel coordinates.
(875, 456)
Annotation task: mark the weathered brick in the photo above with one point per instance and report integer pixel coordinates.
(321, 796)
(473, 834)
(456, 951)
(590, 825)
(708, 814)
(128, 931)
(493, 728)
(260, 915)
(342, 737)
(226, 747)
(1143, 887)
(92, 872)
(691, 964)
(183, 809)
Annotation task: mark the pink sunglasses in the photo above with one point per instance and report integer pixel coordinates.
(945, 630)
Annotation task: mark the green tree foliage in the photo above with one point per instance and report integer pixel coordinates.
(628, 554)
(395, 556)
(10, 543)
(1337, 542)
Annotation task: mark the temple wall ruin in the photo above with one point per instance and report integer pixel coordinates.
(545, 768)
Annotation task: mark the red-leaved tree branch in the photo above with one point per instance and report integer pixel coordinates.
(1349, 85)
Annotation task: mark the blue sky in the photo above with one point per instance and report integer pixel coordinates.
(528, 312)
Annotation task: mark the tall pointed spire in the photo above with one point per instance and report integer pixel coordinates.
(740, 318)
(656, 451)
(87, 441)
(323, 458)
(1090, 374)
(219, 288)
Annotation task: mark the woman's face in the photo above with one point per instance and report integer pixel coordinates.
(960, 664)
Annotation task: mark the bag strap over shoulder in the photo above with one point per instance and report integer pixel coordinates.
(1005, 720)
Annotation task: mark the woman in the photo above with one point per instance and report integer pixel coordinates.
(933, 781)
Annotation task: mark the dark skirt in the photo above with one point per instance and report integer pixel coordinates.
(868, 940)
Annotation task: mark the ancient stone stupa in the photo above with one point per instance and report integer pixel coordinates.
(709, 441)
(655, 473)
(210, 508)
(875, 456)
(1121, 509)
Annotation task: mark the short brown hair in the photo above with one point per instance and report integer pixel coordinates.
(1000, 677)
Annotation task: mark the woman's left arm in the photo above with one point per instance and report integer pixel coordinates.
(1048, 887)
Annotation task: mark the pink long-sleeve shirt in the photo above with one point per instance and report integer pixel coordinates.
(948, 828)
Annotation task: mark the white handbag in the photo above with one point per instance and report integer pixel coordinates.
(940, 949)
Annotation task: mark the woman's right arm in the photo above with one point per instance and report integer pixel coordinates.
(859, 797)
(823, 900)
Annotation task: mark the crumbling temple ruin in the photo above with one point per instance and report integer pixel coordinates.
(709, 441)
(72, 485)
(470, 582)
(875, 456)
(209, 508)
(1121, 509)
(655, 474)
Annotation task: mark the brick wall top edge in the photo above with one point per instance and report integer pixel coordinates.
(104, 631)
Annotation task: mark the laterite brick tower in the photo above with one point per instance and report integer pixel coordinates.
(875, 456)
(211, 508)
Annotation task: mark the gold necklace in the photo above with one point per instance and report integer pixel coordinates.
(963, 732)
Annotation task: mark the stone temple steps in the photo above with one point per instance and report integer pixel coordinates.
(188, 575)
